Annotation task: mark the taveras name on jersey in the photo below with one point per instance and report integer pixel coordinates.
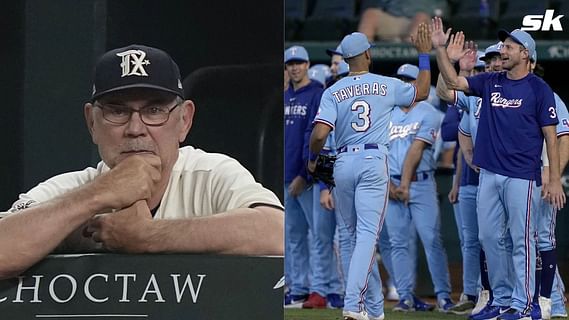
(374, 88)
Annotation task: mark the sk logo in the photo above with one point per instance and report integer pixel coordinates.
(133, 63)
(546, 22)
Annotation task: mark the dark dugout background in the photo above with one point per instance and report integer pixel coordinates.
(49, 49)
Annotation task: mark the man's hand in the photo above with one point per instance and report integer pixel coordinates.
(326, 200)
(455, 48)
(402, 193)
(468, 61)
(124, 230)
(555, 194)
(422, 40)
(296, 187)
(438, 36)
(131, 180)
(453, 195)
(392, 191)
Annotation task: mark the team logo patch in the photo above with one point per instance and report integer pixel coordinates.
(565, 122)
(133, 63)
(22, 204)
(433, 134)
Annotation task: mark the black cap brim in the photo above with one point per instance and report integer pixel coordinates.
(295, 60)
(489, 56)
(137, 85)
(332, 52)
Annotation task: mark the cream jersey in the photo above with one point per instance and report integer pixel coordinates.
(201, 184)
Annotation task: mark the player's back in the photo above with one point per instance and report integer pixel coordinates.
(361, 107)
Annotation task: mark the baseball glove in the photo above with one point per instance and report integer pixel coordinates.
(324, 170)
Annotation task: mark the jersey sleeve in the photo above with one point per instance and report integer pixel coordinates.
(562, 116)
(546, 111)
(461, 101)
(464, 126)
(55, 186)
(429, 127)
(405, 93)
(476, 83)
(327, 112)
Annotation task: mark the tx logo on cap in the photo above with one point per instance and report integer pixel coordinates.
(133, 63)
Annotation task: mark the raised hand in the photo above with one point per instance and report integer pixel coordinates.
(422, 40)
(438, 36)
(455, 48)
(468, 61)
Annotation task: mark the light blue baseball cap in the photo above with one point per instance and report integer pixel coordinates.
(324, 68)
(534, 56)
(343, 68)
(479, 62)
(337, 51)
(354, 44)
(317, 74)
(520, 37)
(408, 71)
(492, 50)
(296, 53)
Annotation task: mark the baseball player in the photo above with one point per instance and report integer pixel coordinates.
(300, 105)
(465, 194)
(320, 73)
(492, 57)
(546, 280)
(412, 198)
(335, 60)
(517, 112)
(358, 108)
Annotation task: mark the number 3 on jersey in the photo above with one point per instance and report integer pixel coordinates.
(552, 115)
(363, 123)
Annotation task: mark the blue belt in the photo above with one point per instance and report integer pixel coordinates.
(418, 176)
(366, 146)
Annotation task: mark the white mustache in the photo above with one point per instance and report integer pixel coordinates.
(136, 145)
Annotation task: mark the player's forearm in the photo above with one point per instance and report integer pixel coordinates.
(563, 146)
(423, 85)
(446, 68)
(318, 138)
(458, 169)
(28, 236)
(466, 147)
(442, 90)
(411, 162)
(243, 231)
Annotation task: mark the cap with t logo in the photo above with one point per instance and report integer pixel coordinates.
(136, 66)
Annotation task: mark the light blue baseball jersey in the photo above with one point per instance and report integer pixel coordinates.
(359, 107)
(469, 122)
(422, 122)
(562, 115)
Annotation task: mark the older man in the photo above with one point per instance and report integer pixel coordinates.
(147, 194)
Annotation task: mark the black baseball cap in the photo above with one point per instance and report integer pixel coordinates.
(136, 66)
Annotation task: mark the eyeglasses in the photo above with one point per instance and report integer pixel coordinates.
(150, 115)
